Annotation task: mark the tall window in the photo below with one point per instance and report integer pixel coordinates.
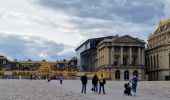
(116, 49)
(125, 59)
(116, 61)
(125, 49)
(134, 60)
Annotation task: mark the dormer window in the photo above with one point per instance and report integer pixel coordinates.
(72, 63)
(4, 62)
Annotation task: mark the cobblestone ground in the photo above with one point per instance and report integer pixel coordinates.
(35, 90)
(70, 90)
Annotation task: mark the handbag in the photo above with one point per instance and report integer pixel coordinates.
(92, 89)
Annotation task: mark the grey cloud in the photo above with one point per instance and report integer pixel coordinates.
(17, 47)
(138, 11)
(94, 18)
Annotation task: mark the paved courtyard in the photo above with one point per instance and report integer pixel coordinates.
(70, 90)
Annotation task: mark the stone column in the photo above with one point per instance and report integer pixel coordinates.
(121, 74)
(130, 55)
(106, 54)
(112, 74)
(112, 55)
(121, 55)
(143, 56)
(139, 56)
(109, 55)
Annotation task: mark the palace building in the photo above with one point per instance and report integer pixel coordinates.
(118, 58)
(55, 69)
(158, 53)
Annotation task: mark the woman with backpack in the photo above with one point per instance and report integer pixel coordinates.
(134, 82)
(102, 82)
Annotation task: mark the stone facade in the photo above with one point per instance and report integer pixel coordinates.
(158, 53)
(121, 57)
(55, 69)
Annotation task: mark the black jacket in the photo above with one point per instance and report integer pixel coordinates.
(95, 80)
(84, 79)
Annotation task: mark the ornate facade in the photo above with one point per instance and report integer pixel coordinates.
(14, 69)
(158, 53)
(121, 57)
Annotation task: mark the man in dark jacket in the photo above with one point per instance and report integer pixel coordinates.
(84, 83)
(95, 83)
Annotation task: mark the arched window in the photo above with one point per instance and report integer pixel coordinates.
(135, 73)
(117, 75)
(126, 75)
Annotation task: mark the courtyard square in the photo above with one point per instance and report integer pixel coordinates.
(71, 90)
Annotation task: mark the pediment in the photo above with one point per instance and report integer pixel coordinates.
(127, 39)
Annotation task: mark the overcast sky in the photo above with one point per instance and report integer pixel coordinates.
(52, 29)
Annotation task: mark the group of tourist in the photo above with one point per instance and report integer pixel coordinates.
(129, 90)
(101, 81)
(95, 80)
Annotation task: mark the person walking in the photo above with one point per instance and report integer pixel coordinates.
(46, 78)
(134, 82)
(61, 80)
(102, 82)
(95, 83)
(49, 78)
(84, 83)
